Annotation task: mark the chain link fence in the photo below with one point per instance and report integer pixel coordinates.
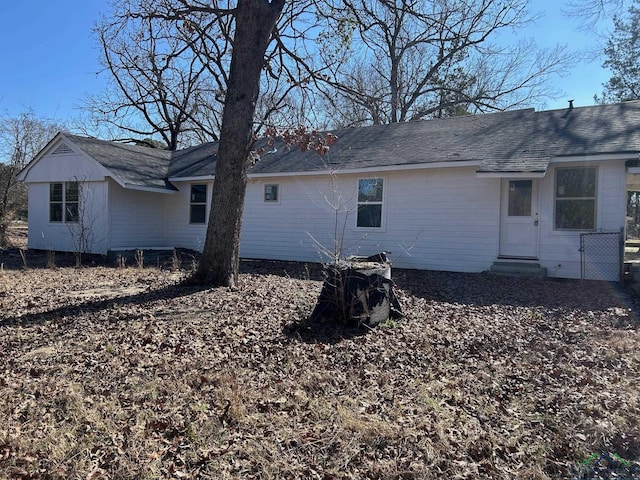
(602, 256)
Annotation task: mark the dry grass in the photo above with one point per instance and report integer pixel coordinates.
(124, 373)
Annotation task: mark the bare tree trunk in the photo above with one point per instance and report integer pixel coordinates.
(255, 21)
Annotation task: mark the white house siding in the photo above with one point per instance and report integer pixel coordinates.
(560, 250)
(458, 215)
(64, 237)
(66, 167)
(179, 232)
(137, 219)
(440, 219)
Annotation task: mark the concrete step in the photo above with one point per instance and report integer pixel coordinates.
(518, 269)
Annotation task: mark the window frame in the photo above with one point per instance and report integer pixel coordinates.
(66, 200)
(198, 203)
(363, 202)
(275, 201)
(583, 198)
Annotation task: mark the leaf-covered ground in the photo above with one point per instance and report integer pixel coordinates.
(124, 373)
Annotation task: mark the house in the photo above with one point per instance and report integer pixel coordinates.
(455, 194)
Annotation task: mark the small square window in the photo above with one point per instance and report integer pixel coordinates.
(271, 193)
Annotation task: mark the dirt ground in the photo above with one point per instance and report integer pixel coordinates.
(113, 372)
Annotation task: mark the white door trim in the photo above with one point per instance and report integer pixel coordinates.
(519, 207)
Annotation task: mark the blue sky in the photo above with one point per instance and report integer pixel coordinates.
(50, 59)
(48, 55)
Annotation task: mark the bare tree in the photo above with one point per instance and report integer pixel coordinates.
(246, 29)
(168, 71)
(21, 138)
(409, 59)
(253, 23)
(157, 84)
(590, 12)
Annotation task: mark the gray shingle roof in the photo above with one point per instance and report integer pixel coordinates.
(518, 141)
(199, 161)
(521, 140)
(134, 165)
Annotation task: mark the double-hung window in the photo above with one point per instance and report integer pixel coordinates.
(198, 204)
(370, 192)
(575, 207)
(64, 202)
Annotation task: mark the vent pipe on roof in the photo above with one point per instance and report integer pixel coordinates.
(570, 104)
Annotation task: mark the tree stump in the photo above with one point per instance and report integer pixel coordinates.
(357, 291)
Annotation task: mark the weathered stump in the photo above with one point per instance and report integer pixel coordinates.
(357, 291)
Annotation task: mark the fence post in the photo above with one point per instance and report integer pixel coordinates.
(622, 242)
(582, 259)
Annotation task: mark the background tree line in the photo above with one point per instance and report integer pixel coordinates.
(21, 138)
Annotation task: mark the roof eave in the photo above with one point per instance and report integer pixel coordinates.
(145, 188)
(383, 168)
(510, 174)
(193, 178)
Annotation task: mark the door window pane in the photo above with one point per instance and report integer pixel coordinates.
(520, 198)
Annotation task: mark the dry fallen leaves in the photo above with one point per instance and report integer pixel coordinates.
(125, 373)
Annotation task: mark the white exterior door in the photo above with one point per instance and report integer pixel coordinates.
(519, 219)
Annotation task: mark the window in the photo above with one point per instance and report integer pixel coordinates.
(198, 204)
(64, 202)
(271, 193)
(370, 202)
(575, 198)
(520, 198)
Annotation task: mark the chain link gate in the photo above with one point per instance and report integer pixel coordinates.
(602, 256)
